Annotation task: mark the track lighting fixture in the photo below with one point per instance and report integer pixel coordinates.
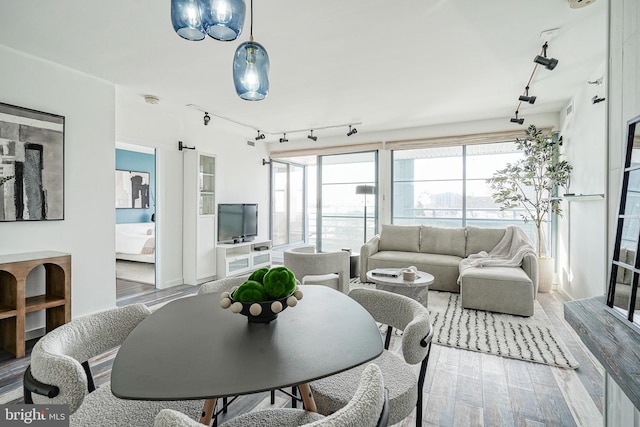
(548, 63)
(260, 136)
(284, 138)
(352, 131)
(526, 97)
(207, 118)
(516, 119)
(182, 146)
(311, 137)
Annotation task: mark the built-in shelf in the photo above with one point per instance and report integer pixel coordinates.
(585, 197)
(615, 344)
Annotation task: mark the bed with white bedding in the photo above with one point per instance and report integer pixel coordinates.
(136, 241)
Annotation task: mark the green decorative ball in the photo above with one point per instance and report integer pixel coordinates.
(279, 282)
(250, 291)
(258, 275)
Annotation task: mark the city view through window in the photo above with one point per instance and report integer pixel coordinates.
(442, 186)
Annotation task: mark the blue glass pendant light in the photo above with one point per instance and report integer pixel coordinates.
(187, 20)
(220, 19)
(251, 69)
(223, 19)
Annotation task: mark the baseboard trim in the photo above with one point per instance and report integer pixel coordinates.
(170, 284)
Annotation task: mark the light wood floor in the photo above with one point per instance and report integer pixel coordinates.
(462, 388)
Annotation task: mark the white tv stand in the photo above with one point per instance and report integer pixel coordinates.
(234, 259)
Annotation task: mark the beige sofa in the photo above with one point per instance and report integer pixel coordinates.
(438, 251)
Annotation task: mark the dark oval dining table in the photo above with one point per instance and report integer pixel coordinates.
(191, 348)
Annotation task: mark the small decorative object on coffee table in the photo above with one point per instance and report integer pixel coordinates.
(392, 280)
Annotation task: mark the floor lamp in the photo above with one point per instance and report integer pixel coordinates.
(365, 189)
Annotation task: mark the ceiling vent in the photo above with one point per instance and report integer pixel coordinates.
(576, 4)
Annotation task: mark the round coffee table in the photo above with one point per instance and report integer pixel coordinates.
(417, 289)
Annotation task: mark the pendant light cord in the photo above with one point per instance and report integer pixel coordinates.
(251, 26)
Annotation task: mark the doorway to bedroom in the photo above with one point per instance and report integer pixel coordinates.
(135, 179)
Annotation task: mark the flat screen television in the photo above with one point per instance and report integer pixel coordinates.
(237, 222)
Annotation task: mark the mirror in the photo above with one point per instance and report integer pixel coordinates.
(623, 296)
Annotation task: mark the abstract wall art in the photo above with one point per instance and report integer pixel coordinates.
(132, 189)
(31, 165)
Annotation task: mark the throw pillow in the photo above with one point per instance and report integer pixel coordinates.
(404, 238)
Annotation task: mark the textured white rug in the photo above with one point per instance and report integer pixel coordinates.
(526, 338)
(141, 272)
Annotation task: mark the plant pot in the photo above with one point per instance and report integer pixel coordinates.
(545, 274)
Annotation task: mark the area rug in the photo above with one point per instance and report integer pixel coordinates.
(526, 338)
(141, 272)
(533, 339)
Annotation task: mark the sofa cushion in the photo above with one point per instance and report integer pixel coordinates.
(500, 289)
(399, 238)
(444, 268)
(443, 241)
(482, 239)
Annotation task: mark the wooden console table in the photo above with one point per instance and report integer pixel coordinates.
(14, 305)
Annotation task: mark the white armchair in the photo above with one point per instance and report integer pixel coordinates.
(326, 268)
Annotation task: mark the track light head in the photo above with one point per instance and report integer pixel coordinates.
(548, 63)
(311, 137)
(260, 136)
(526, 97)
(284, 138)
(352, 131)
(529, 99)
(516, 119)
(207, 118)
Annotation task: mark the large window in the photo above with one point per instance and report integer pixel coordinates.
(446, 186)
(288, 204)
(342, 222)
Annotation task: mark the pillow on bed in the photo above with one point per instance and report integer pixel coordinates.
(148, 247)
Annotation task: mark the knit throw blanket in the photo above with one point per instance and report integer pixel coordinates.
(509, 252)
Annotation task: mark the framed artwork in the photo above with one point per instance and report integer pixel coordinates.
(31, 165)
(132, 189)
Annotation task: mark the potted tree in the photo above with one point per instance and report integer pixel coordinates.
(530, 183)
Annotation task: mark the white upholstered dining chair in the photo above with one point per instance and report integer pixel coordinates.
(367, 408)
(60, 373)
(324, 268)
(405, 389)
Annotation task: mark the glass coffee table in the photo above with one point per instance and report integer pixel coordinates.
(418, 289)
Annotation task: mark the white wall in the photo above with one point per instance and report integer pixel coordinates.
(87, 232)
(240, 175)
(582, 255)
(624, 104)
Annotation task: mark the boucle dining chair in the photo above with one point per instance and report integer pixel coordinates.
(324, 268)
(60, 373)
(367, 408)
(222, 285)
(405, 389)
(225, 285)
